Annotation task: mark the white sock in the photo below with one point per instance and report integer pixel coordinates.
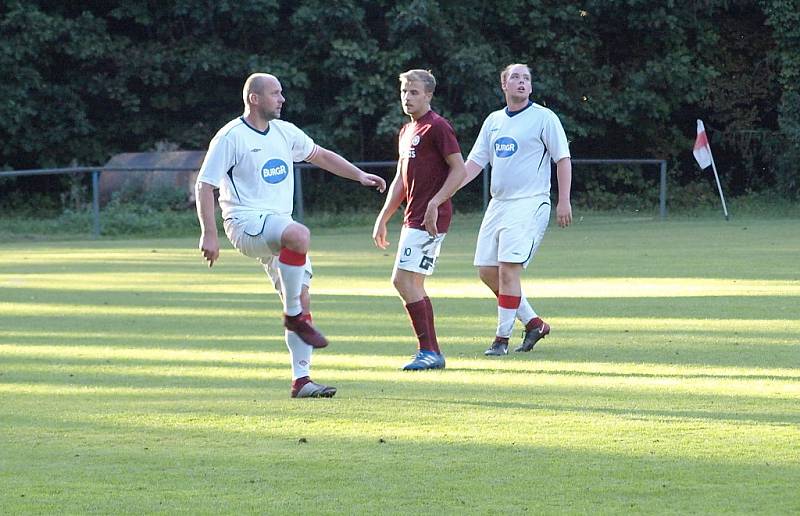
(525, 311)
(300, 353)
(505, 321)
(291, 285)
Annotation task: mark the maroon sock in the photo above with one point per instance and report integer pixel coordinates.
(418, 313)
(431, 326)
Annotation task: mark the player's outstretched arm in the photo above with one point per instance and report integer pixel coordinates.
(335, 164)
(564, 176)
(209, 241)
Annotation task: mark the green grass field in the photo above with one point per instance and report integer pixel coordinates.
(135, 380)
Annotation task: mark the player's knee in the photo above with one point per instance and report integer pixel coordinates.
(488, 275)
(403, 285)
(509, 272)
(398, 283)
(296, 237)
(409, 286)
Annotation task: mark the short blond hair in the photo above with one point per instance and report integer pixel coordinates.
(504, 73)
(424, 76)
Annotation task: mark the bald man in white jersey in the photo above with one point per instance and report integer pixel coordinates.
(519, 142)
(251, 161)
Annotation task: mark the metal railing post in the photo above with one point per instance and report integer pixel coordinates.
(96, 203)
(662, 194)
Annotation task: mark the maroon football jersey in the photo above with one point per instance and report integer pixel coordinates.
(423, 146)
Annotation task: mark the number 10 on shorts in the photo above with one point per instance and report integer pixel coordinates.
(417, 251)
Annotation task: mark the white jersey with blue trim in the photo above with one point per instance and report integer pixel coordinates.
(254, 169)
(520, 145)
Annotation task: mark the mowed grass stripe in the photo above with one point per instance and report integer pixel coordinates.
(133, 379)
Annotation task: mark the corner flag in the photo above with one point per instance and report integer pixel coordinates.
(702, 153)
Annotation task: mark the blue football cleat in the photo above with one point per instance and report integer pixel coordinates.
(425, 359)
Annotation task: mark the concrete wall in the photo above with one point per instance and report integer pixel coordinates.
(155, 176)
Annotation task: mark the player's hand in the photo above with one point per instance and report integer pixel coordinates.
(379, 234)
(431, 217)
(564, 213)
(209, 246)
(374, 181)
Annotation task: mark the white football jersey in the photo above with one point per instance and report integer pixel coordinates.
(254, 170)
(519, 147)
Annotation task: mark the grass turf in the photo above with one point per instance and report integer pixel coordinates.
(133, 379)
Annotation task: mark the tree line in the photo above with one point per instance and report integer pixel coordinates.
(85, 80)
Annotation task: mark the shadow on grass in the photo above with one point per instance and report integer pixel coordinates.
(464, 326)
(87, 379)
(261, 296)
(278, 360)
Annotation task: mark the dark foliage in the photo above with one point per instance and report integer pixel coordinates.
(83, 81)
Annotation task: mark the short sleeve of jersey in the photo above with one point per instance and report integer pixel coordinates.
(445, 138)
(303, 147)
(480, 151)
(221, 156)
(555, 138)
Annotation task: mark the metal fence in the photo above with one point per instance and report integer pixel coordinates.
(298, 193)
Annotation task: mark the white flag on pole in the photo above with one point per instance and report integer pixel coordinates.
(702, 151)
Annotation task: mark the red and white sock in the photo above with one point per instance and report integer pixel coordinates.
(506, 314)
(291, 267)
(525, 312)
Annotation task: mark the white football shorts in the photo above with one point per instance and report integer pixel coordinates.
(417, 251)
(511, 231)
(259, 237)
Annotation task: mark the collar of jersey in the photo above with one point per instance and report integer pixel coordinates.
(253, 128)
(423, 117)
(514, 113)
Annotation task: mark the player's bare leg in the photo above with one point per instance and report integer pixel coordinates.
(490, 276)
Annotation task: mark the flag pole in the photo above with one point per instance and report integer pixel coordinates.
(719, 187)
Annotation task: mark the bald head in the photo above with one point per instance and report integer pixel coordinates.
(257, 83)
(263, 99)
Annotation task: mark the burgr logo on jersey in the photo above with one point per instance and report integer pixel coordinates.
(505, 147)
(274, 171)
